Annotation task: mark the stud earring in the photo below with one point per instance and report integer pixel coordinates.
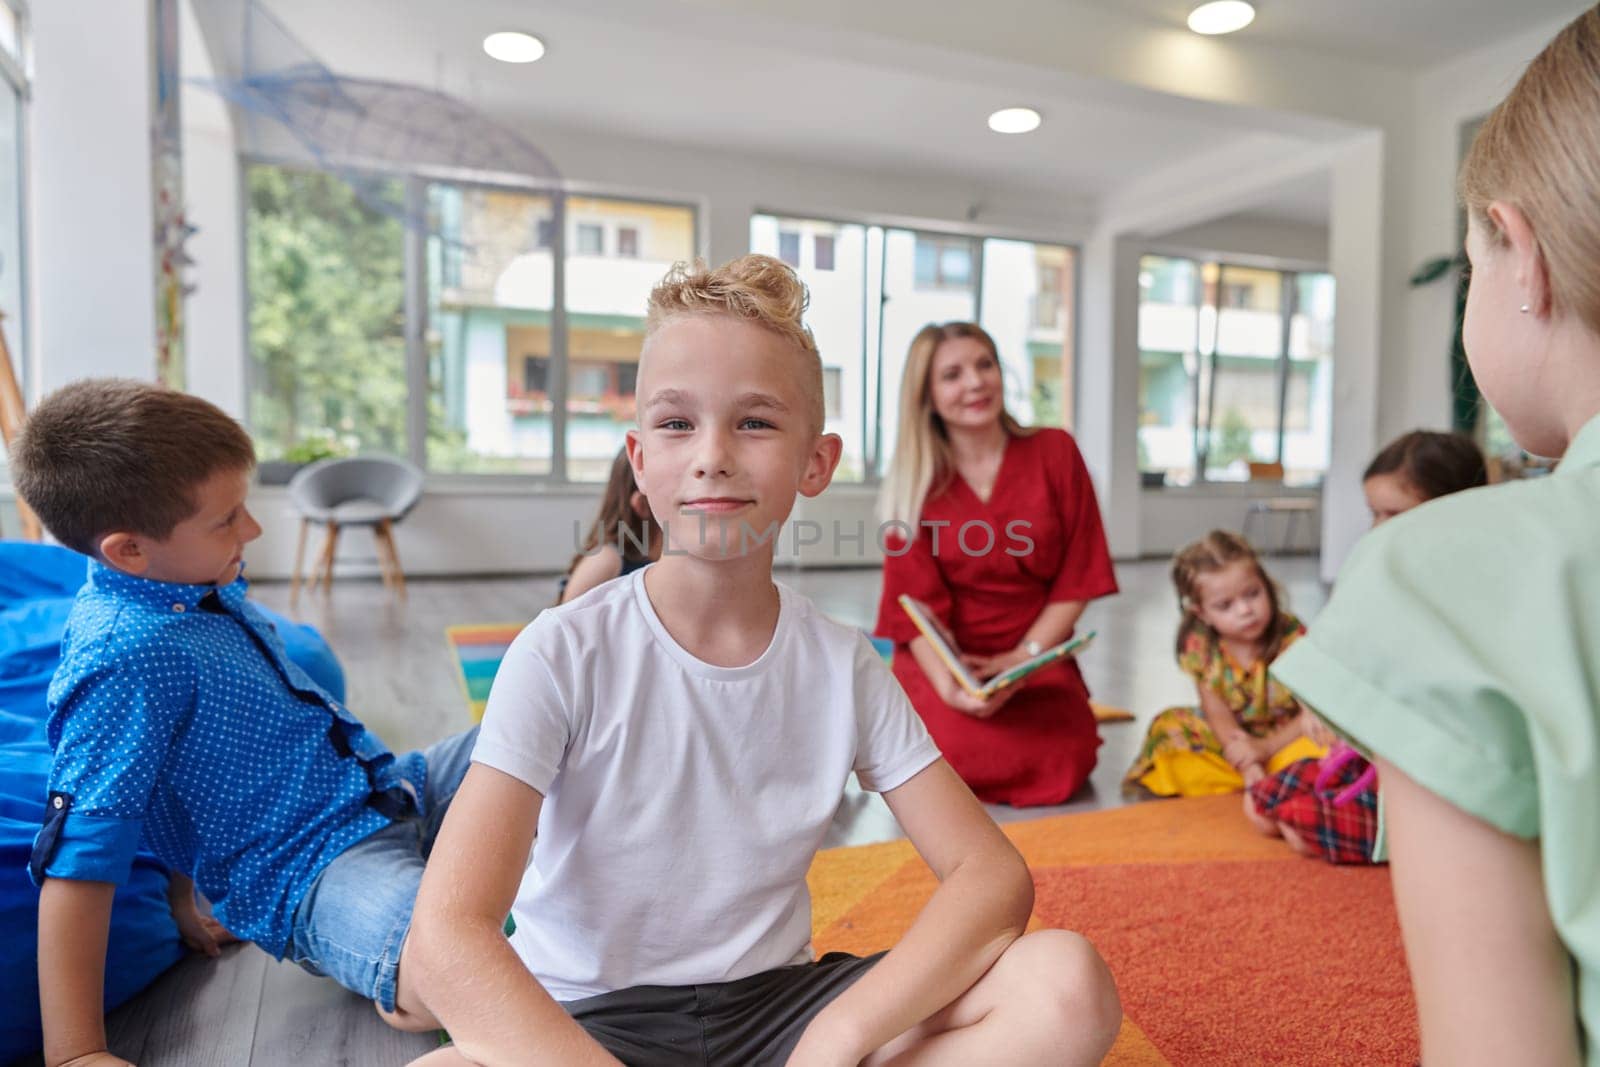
(1524, 309)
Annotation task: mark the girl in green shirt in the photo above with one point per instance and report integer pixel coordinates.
(1462, 646)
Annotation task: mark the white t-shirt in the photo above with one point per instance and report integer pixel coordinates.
(683, 802)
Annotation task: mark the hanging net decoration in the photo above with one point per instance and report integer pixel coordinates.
(290, 107)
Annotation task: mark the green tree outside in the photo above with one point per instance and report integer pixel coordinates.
(326, 276)
(1231, 441)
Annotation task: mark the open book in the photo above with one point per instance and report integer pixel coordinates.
(943, 644)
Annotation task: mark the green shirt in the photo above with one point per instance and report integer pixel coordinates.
(1463, 645)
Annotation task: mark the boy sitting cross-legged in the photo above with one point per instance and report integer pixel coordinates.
(177, 720)
(661, 757)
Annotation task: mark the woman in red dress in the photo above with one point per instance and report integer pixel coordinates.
(1002, 540)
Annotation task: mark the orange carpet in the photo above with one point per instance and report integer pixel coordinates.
(1227, 947)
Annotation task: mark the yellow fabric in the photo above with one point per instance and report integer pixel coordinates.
(1204, 774)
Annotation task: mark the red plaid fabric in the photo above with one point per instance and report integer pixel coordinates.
(1342, 833)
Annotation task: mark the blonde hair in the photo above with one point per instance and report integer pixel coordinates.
(1540, 151)
(922, 459)
(755, 288)
(1212, 553)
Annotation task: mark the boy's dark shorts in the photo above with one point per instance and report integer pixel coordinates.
(752, 1021)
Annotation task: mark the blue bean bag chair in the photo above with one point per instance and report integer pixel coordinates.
(37, 586)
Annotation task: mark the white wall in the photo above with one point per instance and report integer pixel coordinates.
(514, 530)
(214, 326)
(1356, 246)
(1244, 236)
(89, 180)
(1443, 99)
(1171, 518)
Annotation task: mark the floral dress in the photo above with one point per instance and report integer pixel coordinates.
(1181, 755)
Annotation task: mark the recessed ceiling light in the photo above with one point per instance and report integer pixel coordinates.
(512, 47)
(1014, 120)
(1221, 16)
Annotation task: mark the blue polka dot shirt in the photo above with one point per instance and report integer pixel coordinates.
(179, 722)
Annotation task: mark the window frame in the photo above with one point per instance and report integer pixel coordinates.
(17, 69)
(636, 236)
(873, 446)
(1289, 271)
(415, 310)
(817, 240)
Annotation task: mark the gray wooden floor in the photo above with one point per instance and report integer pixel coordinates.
(248, 1009)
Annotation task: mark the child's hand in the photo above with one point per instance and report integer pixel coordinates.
(1243, 752)
(96, 1059)
(202, 933)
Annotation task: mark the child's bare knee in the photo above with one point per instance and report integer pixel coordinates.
(1074, 983)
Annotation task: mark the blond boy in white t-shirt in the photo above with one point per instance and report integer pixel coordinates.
(660, 759)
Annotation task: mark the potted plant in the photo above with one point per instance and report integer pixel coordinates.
(302, 453)
(1149, 479)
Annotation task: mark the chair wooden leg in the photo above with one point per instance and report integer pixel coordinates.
(330, 546)
(314, 575)
(394, 559)
(385, 567)
(299, 561)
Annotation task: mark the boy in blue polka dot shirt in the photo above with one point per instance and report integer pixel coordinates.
(178, 722)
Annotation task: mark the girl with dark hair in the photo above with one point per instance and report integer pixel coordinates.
(623, 537)
(1418, 467)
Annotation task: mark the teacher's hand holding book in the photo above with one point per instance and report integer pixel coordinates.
(952, 692)
(1008, 673)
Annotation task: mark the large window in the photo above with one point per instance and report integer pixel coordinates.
(13, 91)
(606, 299)
(523, 350)
(873, 287)
(490, 293)
(1235, 371)
(326, 276)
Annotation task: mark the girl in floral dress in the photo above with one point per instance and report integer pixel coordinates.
(1245, 726)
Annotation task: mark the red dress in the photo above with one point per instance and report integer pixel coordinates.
(1040, 747)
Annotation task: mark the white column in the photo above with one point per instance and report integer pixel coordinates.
(1107, 416)
(1355, 256)
(92, 244)
(214, 315)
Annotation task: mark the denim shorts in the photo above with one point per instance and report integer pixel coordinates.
(352, 922)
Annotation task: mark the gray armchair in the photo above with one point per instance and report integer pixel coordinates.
(376, 491)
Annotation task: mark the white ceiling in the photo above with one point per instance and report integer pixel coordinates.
(1303, 200)
(1400, 33)
(689, 73)
(659, 82)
